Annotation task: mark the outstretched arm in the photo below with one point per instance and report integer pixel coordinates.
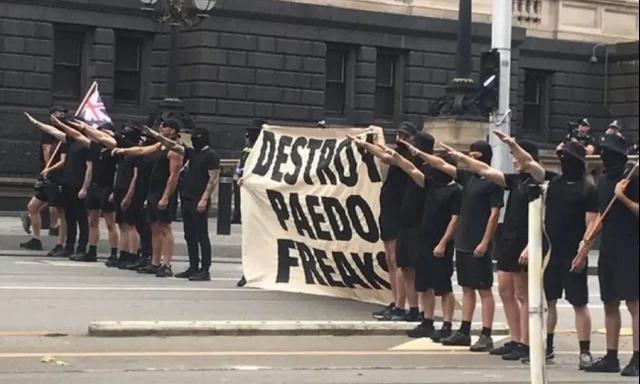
(72, 132)
(58, 134)
(137, 151)
(432, 160)
(95, 134)
(376, 150)
(527, 162)
(170, 144)
(478, 167)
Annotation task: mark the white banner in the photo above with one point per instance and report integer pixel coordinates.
(310, 206)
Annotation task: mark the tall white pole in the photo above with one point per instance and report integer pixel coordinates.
(501, 40)
(536, 299)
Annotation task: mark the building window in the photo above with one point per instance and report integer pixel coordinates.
(534, 116)
(335, 81)
(127, 70)
(67, 65)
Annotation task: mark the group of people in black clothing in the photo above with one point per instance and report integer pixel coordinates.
(132, 177)
(441, 210)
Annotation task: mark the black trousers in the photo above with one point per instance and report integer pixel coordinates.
(196, 234)
(236, 203)
(75, 212)
(144, 231)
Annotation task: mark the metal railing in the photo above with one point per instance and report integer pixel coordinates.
(527, 11)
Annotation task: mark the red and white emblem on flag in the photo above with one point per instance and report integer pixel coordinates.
(93, 111)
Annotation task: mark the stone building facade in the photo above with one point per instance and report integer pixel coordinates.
(298, 62)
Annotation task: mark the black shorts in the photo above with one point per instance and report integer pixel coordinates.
(125, 216)
(389, 227)
(558, 278)
(474, 272)
(435, 272)
(98, 199)
(51, 194)
(508, 253)
(409, 247)
(618, 272)
(161, 216)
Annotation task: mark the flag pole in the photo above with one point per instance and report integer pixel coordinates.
(84, 101)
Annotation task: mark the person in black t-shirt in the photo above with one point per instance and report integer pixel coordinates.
(619, 248)
(161, 197)
(571, 211)
(512, 243)
(480, 208)
(200, 180)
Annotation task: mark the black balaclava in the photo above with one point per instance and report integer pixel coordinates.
(130, 133)
(531, 148)
(484, 149)
(199, 138)
(572, 167)
(614, 163)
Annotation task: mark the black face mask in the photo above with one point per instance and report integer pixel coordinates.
(199, 142)
(486, 153)
(572, 168)
(614, 163)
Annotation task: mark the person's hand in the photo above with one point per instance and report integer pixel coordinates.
(578, 264)
(560, 147)
(202, 206)
(583, 248)
(45, 173)
(31, 119)
(451, 151)
(481, 250)
(412, 150)
(390, 156)
(126, 203)
(356, 140)
(163, 204)
(439, 250)
(524, 257)
(510, 141)
(240, 181)
(117, 152)
(82, 193)
(621, 187)
(111, 197)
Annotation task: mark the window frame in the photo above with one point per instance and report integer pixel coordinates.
(141, 40)
(397, 86)
(349, 70)
(544, 92)
(81, 67)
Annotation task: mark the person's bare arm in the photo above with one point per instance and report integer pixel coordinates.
(408, 167)
(489, 232)
(128, 197)
(580, 260)
(46, 128)
(478, 167)
(170, 144)
(621, 187)
(212, 184)
(175, 164)
(95, 134)
(432, 160)
(137, 151)
(374, 149)
(46, 152)
(88, 175)
(72, 132)
(441, 248)
(54, 167)
(527, 161)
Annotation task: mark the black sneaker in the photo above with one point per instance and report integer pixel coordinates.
(140, 262)
(65, 253)
(164, 271)
(441, 334)
(203, 275)
(58, 248)
(504, 350)
(604, 365)
(585, 361)
(631, 370)
(186, 274)
(146, 265)
(84, 257)
(396, 314)
(32, 245)
(112, 261)
(412, 317)
(26, 223)
(518, 352)
(125, 260)
(381, 313)
(54, 232)
(457, 339)
(484, 344)
(421, 330)
(242, 282)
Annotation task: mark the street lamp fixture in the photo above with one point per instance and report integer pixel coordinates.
(178, 12)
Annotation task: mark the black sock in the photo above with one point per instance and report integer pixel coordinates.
(486, 331)
(421, 315)
(634, 358)
(123, 255)
(428, 323)
(413, 311)
(585, 346)
(392, 305)
(465, 328)
(93, 250)
(549, 343)
(114, 251)
(447, 325)
(612, 354)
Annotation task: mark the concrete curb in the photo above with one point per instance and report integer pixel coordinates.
(257, 328)
(43, 254)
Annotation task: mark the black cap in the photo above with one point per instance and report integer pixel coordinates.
(424, 142)
(408, 127)
(616, 125)
(615, 143)
(531, 148)
(575, 149)
(584, 121)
